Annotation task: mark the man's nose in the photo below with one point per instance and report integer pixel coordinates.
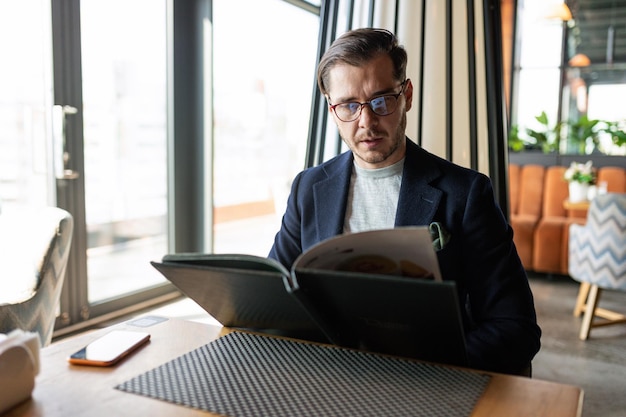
(367, 117)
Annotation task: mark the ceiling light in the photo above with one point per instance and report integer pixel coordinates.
(579, 60)
(558, 11)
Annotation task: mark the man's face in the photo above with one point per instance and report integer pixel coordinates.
(376, 141)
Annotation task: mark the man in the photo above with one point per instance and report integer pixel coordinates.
(386, 180)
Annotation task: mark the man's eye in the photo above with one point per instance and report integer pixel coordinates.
(351, 107)
(378, 103)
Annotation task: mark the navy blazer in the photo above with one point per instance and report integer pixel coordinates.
(502, 334)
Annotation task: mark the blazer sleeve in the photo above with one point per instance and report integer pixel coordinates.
(287, 242)
(502, 334)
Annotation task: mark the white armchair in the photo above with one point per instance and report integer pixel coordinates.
(34, 250)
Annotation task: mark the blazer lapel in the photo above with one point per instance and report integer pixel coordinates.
(418, 200)
(330, 197)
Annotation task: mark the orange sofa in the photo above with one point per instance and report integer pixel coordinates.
(539, 220)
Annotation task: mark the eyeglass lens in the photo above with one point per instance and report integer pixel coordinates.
(382, 106)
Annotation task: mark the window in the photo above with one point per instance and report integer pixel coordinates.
(540, 42)
(572, 68)
(264, 73)
(113, 79)
(25, 169)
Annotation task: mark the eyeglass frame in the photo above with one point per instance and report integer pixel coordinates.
(369, 103)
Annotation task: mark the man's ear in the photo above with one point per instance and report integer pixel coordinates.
(328, 105)
(408, 94)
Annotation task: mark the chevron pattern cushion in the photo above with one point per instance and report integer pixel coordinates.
(597, 250)
(33, 264)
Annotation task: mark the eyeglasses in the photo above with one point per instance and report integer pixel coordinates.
(381, 105)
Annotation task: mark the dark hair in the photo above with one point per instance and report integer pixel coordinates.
(359, 46)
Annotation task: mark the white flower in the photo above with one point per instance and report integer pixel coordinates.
(583, 173)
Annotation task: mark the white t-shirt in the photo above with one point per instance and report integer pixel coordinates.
(373, 198)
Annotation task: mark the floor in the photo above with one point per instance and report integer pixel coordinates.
(597, 365)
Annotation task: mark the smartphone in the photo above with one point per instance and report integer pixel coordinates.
(110, 348)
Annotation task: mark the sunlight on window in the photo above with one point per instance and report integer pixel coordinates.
(125, 130)
(264, 73)
(25, 101)
(602, 106)
(540, 57)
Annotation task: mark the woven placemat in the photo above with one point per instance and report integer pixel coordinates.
(248, 375)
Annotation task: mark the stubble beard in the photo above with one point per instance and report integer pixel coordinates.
(376, 157)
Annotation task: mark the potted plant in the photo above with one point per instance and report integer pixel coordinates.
(580, 177)
(516, 144)
(583, 133)
(547, 137)
(618, 136)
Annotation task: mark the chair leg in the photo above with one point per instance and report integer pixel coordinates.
(583, 291)
(590, 308)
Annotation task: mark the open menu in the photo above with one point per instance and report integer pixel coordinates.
(379, 291)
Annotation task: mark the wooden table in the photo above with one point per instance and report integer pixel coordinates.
(578, 209)
(64, 390)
